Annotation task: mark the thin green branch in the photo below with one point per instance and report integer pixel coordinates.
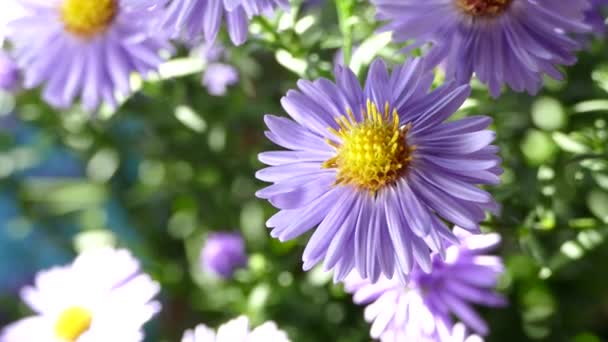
(345, 12)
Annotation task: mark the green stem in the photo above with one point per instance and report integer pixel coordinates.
(345, 12)
(268, 28)
(274, 39)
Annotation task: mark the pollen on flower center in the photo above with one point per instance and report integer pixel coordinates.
(372, 153)
(86, 18)
(483, 8)
(72, 323)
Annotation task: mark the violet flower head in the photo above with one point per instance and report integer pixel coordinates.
(375, 169)
(87, 49)
(223, 254)
(9, 73)
(191, 19)
(512, 42)
(236, 330)
(423, 309)
(101, 296)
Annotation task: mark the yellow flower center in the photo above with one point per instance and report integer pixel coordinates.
(72, 323)
(483, 8)
(373, 153)
(86, 18)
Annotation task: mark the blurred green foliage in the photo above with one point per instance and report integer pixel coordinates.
(174, 164)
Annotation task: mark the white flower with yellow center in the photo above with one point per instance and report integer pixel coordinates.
(101, 297)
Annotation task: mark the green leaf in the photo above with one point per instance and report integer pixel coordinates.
(548, 114)
(569, 143)
(591, 106)
(597, 201)
(297, 65)
(369, 49)
(537, 147)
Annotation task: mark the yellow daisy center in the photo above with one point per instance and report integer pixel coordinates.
(72, 323)
(483, 8)
(372, 153)
(86, 18)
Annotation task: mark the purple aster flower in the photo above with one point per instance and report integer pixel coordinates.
(102, 296)
(190, 19)
(595, 18)
(422, 309)
(376, 169)
(87, 48)
(511, 42)
(237, 330)
(223, 253)
(9, 73)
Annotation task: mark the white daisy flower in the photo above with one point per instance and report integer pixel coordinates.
(102, 296)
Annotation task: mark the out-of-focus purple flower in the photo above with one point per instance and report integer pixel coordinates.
(595, 18)
(9, 73)
(190, 19)
(421, 310)
(237, 330)
(218, 76)
(511, 42)
(101, 296)
(87, 49)
(375, 168)
(223, 253)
